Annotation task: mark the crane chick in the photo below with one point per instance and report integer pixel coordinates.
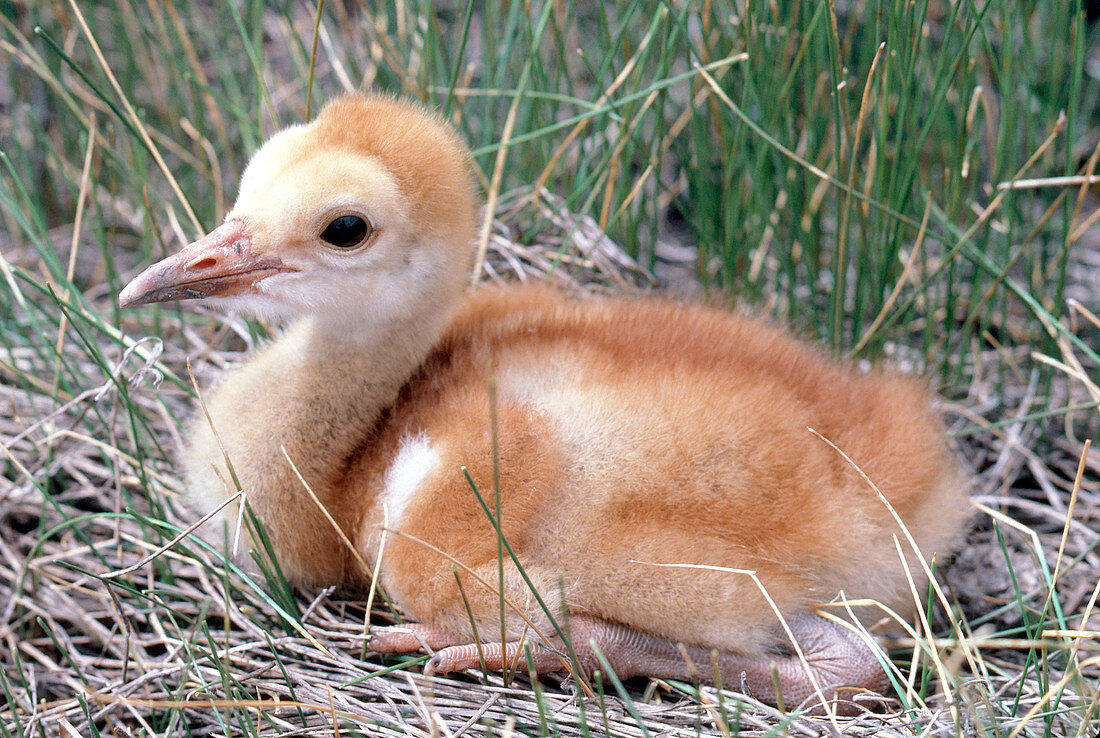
(629, 432)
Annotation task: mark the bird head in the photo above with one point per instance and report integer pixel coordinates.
(364, 212)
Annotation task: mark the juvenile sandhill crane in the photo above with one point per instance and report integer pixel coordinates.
(630, 432)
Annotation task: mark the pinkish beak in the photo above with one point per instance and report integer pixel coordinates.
(219, 264)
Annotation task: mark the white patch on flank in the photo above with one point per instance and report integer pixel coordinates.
(414, 461)
(595, 427)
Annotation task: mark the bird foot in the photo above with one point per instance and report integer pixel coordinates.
(409, 637)
(838, 665)
(451, 653)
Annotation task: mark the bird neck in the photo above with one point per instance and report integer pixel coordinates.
(345, 377)
(315, 395)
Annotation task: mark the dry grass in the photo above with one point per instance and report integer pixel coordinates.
(180, 646)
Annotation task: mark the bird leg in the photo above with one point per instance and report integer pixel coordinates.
(839, 661)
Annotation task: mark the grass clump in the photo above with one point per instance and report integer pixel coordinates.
(908, 179)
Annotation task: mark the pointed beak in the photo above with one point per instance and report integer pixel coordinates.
(219, 264)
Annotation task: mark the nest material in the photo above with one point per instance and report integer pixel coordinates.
(180, 646)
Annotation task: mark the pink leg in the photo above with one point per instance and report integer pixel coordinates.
(840, 662)
(499, 657)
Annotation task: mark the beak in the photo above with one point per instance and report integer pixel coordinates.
(219, 264)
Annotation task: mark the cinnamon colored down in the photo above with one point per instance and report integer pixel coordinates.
(632, 431)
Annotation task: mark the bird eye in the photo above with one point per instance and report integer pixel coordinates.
(346, 232)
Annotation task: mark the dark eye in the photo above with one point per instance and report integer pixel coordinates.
(346, 232)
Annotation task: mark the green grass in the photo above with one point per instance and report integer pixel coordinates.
(837, 165)
(803, 161)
